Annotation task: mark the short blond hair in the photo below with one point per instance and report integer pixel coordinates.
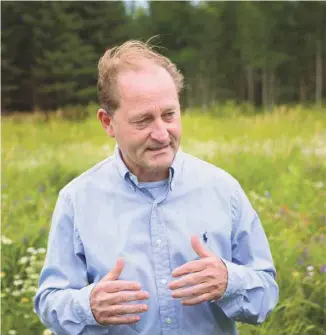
(129, 55)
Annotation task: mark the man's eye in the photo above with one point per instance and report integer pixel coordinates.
(142, 123)
(168, 115)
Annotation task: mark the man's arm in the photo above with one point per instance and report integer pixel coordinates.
(252, 292)
(62, 299)
(65, 301)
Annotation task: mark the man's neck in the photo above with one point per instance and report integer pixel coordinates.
(145, 175)
(150, 176)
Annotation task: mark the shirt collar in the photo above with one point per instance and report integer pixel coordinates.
(133, 181)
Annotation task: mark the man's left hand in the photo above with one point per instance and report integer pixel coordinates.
(204, 279)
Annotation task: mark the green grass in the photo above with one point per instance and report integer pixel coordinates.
(279, 158)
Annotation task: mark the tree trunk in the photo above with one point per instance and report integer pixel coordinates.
(250, 84)
(303, 90)
(203, 86)
(319, 73)
(265, 87)
(271, 80)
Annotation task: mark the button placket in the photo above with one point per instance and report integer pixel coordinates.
(162, 270)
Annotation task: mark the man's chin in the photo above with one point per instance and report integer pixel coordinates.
(161, 164)
(160, 161)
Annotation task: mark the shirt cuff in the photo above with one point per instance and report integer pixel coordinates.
(83, 308)
(230, 301)
(235, 280)
(82, 305)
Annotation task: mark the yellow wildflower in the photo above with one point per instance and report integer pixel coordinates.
(295, 274)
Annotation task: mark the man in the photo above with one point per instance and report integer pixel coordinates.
(152, 240)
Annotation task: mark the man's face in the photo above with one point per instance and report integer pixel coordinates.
(147, 125)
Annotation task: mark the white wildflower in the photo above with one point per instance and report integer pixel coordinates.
(319, 184)
(29, 269)
(310, 268)
(12, 332)
(32, 250)
(41, 250)
(47, 332)
(16, 293)
(5, 240)
(18, 282)
(23, 260)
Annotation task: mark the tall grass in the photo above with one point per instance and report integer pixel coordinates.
(278, 157)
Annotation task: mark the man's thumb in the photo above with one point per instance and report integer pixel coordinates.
(198, 247)
(115, 272)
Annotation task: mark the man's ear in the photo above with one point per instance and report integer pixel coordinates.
(106, 121)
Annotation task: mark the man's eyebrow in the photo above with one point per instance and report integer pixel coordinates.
(148, 114)
(169, 109)
(141, 116)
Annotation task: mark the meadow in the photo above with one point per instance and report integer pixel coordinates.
(279, 157)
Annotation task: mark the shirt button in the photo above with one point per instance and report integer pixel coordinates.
(168, 320)
(164, 281)
(158, 242)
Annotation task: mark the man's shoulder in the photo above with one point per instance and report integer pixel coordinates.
(207, 172)
(96, 175)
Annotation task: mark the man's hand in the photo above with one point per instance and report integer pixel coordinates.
(205, 279)
(107, 296)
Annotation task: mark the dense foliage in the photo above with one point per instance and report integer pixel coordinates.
(261, 52)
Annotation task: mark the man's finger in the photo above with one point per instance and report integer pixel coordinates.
(198, 248)
(115, 272)
(121, 310)
(189, 280)
(127, 296)
(197, 300)
(119, 285)
(193, 291)
(190, 267)
(122, 320)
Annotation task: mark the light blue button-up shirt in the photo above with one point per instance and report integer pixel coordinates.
(104, 214)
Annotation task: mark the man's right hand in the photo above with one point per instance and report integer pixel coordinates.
(108, 294)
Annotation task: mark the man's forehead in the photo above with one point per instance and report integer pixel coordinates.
(146, 81)
(145, 73)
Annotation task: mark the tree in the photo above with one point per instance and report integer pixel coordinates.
(61, 59)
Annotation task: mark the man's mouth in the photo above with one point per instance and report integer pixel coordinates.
(158, 148)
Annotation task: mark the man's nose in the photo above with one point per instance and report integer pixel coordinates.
(160, 132)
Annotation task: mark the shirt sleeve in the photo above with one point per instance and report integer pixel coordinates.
(252, 292)
(62, 299)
